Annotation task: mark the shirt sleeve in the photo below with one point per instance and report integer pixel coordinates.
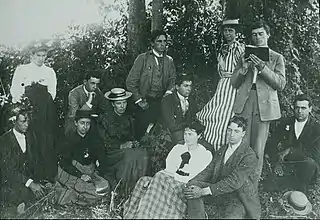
(28, 182)
(17, 85)
(52, 83)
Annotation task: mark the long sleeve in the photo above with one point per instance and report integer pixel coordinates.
(52, 83)
(172, 75)
(17, 85)
(239, 74)
(168, 114)
(133, 79)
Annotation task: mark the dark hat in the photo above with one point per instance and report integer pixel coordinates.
(299, 202)
(84, 114)
(117, 94)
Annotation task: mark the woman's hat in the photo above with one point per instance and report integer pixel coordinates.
(84, 114)
(230, 22)
(299, 202)
(117, 94)
(37, 46)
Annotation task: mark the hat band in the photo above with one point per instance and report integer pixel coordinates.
(295, 206)
(117, 95)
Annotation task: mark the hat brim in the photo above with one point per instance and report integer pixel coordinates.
(306, 211)
(126, 96)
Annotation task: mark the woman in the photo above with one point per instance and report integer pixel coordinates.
(124, 162)
(218, 111)
(162, 196)
(38, 83)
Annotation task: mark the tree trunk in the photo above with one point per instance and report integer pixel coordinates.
(157, 14)
(136, 27)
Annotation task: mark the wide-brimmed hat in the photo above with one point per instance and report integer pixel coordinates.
(299, 202)
(36, 46)
(230, 22)
(85, 114)
(117, 94)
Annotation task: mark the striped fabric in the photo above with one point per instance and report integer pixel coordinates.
(216, 114)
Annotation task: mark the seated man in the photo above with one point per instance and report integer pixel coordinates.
(178, 109)
(86, 97)
(229, 179)
(295, 146)
(22, 179)
(81, 155)
(162, 196)
(124, 160)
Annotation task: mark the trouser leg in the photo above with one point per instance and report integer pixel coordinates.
(196, 209)
(234, 209)
(305, 172)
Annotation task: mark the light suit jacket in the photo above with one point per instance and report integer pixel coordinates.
(270, 80)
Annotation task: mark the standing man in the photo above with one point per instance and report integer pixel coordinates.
(87, 97)
(151, 77)
(177, 109)
(257, 82)
(295, 145)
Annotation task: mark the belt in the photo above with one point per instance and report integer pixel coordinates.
(254, 87)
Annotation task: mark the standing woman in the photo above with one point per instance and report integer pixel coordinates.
(38, 83)
(218, 111)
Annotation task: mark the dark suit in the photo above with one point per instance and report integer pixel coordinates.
(17, 167)
(77, 99)
(235, 179)
(173, 118)
(305, 149)
(259, 104)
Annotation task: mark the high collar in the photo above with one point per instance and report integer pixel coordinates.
(156, 53)
(181, 97)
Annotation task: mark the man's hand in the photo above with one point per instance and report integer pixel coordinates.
(193, 192)
(225, 74)
(86, 178)
(278, 169)
(257, 62)
(128, 144)
(143, 104)
(37, 189)
(283, 154)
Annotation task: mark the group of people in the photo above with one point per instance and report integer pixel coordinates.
(100, 148)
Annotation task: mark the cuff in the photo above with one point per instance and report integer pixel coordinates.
(89, 104)
(139, 100)
(168, 92)
(207, 191)
(28, 182)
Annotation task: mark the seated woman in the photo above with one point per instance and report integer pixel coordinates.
(123, 161)
(81, 155)
(162, 196)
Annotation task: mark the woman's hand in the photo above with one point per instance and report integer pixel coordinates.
(86, 178)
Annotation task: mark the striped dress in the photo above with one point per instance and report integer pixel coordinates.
(216, 114)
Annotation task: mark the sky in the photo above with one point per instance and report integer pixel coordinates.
(22, 21)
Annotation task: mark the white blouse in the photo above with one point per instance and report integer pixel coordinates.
(199, 160)
(28, 73)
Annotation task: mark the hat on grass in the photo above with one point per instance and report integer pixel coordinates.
(299, 202)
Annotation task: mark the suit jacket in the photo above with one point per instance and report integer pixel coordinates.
(77, 99)
(270, 80)
(307, 145)
(140, 76)
(236, 176)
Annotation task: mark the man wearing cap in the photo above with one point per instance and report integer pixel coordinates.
(124, 160)
(216, 114)
(295, 146)
(257, 83)
(87, 97)
(151, 77)
(81, 158)
(177, 109)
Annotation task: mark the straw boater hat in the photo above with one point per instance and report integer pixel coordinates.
(298, 202)
(117, 94)
(230, 22)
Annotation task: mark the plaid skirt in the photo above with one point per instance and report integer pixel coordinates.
(158, 197)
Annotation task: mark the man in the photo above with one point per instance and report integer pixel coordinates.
(22, 179)
(87, 97)
(295, 145)
(257, 83)
(151, 77)
(178, 109)
(229, 178)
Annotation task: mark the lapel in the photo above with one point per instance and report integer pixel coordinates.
(178, 108)
(305, 130)
(219, 161)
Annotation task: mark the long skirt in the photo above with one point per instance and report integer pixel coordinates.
(216, 114)
(158, 197)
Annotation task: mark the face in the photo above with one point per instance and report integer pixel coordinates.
(39, 57)
(185, 88)
(229, 34)
(120, 106)
(234, 133)
(92, 84)
(260, 37)
(302, 110)
(83, 125)
(160, 43)
(190, 136)
(22, 123)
